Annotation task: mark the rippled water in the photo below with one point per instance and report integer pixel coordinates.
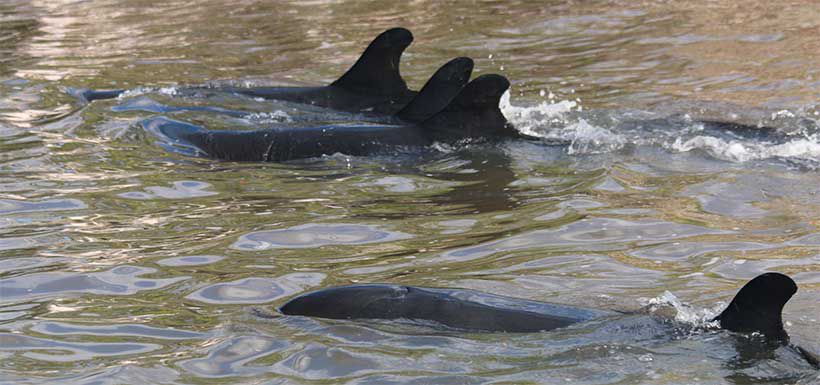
(125, 263)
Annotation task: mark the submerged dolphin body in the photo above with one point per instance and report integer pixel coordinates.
(455, 308)
(444, 110)
(756, 308)
(373, 84)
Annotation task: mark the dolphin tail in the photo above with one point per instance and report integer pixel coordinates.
(377, 70)
(758, 305)
(439, 91)
(474, 112)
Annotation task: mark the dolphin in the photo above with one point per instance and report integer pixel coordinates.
(372, 85)
(444, 110)
(757, 307)
(454, 308)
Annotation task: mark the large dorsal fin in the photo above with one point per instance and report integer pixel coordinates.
(439, 91)
(474, 112)
(757, 307)
(377, 70)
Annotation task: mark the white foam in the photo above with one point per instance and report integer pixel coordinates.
(277, 116)
(807, 148)
(585, 138)
(559, 122)
(528, 120)
(169, 91)
(548, 120)
(683, 312)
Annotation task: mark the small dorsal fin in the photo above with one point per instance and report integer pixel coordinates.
(439, 91)
(377, 70)
(87, 95)
(757, 307)
(474, 112)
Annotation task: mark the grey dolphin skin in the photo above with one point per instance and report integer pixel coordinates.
(442, 111)
(455, 308)
(373, 84)
(756, 308)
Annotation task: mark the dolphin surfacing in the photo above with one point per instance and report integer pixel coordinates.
(445, 109)
(372, 85)
(459, 309)
(756, 308)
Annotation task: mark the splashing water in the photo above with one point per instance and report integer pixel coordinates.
(683, 312)
(564, 123)
(807, 148)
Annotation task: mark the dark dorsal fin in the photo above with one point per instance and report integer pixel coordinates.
(757, 307)
(377, 70)
(88, 96)
(474, 112)
(439, 91)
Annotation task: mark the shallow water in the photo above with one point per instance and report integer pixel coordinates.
(123, 262)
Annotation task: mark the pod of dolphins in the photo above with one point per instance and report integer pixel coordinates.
(449, 107)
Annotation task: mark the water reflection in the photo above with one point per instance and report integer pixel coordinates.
(685, 250)
(612, 204)
(181, 190)
(317, 361)
(69, 351)
(234, 356)
(21, 243)
(586, 234)
(484, 181)
(257, 290)
(23, 264)
(728, 199)
(190, 260)
(316, 235)
(8, 206)
(121, 280)
(60, 329)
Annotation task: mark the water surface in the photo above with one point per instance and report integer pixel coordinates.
(123, 262)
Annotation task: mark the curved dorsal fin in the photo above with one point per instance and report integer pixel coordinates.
(377, 70)
(439, 91)
(474, 112)
(758, 305)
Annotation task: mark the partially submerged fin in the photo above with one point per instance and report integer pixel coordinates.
(474, 112)
(377, 70)
(757, 307)
(88, 95)
(439, 91)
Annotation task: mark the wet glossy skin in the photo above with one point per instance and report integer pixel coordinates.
(460, 309)
(282, 144)
(587, 219)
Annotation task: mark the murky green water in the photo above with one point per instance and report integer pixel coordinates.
(123, 263)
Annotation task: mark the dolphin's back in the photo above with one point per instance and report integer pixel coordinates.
(286, 143)
(461, 309)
